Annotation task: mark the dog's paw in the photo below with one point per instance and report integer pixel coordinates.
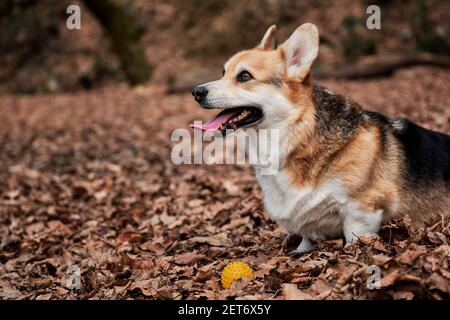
(296, 253)
(305, 246)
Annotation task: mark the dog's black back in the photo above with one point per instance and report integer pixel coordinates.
(427, 153)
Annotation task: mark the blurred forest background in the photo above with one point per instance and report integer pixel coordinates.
(185, 40)
(86, 178)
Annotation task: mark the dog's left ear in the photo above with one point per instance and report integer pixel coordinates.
(301, 50)
(268, 41)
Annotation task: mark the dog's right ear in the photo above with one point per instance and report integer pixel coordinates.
(301, 50)
(268, 41)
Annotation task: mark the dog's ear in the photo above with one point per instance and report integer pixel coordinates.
(268, 41)
(301, 50)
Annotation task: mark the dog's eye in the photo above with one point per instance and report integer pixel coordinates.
(223, 72)
(244, 76)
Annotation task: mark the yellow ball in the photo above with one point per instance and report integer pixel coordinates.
(233, 271)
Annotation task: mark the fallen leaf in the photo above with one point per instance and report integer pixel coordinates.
(238, 286)
(380, 259)
(46, 296)
(204, 273)
(217, 240)
(128, 236)
(272, 280)
(291, 292)
(189, 258)
(164, 293)
(148, 287)
(58, 227)
(435, 281)
(390, 279)
(34, 228)
(231, 188)
(403, 295)
(409, 256)
(155, 247)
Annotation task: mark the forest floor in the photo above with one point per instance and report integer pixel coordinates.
(86, 181)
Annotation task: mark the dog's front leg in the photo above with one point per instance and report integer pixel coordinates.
(305, 246)
(357, 223)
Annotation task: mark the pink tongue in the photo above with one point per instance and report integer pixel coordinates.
(214, 124)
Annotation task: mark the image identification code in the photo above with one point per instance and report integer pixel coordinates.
(226, 309)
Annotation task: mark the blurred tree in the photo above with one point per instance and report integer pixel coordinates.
(28, 28)
(124, 35)
(354, 43)
(427, 35)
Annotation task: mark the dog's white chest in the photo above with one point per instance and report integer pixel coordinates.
(315, 213)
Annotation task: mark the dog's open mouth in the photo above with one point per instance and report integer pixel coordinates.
(231, 119)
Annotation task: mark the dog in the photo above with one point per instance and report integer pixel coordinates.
(343, 170)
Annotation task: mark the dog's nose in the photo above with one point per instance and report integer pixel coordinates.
(199, 93)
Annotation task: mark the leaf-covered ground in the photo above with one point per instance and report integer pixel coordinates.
(86, 180)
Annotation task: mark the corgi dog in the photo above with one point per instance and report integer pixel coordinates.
(343, 170)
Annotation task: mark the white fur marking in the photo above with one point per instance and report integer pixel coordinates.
(319, 213)
(304, 246)
(357, 223)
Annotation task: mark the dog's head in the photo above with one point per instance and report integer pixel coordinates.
(263, 86)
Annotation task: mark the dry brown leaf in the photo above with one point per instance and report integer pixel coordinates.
(8, 291)
(291, 292)
(380, 259)
(443, 249)
(147, 287)
(214, 284)
(236, 223)
(128, 236)
(390, 279)
(435, 281)
(164, 293)
(204, 273)
(231, 188)
(411, 278)
(166, 219)
(45, 296)
(263, 269)
(34, 228)
(273, 281)
(445, 273)
(321, 287)
(58, 227)
(437, 237)
(403, 295)
(217, 240)
(155, 247)
(367, 240)
(189, 258)
(379, 245)
(409, 256)
(238, 286)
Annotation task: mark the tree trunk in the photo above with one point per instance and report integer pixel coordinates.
(124, 36)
